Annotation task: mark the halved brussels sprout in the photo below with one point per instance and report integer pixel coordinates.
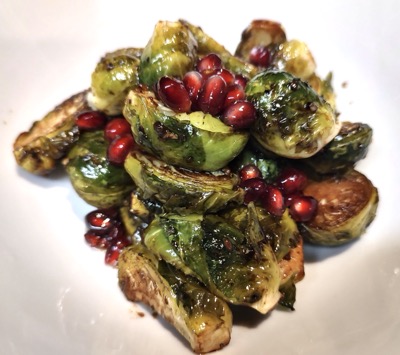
(347, 204)
(93, 177)
(112, 78)
(348, 147)
(195, 141)
(172, 50)
(40, 149)
(260, 33)
(294, 57)
(181, 190)
(220, 256)
(207, 44)
(202, 318)
(292, 120)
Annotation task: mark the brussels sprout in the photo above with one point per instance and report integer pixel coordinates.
(199, 316)
(195, 141)
(347, 204)
(93, 177)
(181, 190)
(269, 167)
(48, 140)
(344, 151)
(220, 256)
(112, 78)
(172, 50)
(260, 33)
(207, 44)
(292, 120)
(295, 58)
(324, 88)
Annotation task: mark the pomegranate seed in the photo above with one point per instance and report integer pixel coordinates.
(193, 81)
(290, 197)
(235, 93)
(99, 220)
(90, 120)
(254, 189)
(303, 208)
(112, 254)
(212, 96)
(273, 201)
(291, 180)
(240, 115)
(260, 56)
(249, 171)
(209, 63)
(173, 93)
(117, 127)
(240, 80)
(97, 240)
(226, 75)
(119, 148)
(117, 232)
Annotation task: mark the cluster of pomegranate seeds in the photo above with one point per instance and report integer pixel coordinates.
(212, 89)
(117, 131)
(286, 192)
(106, 231)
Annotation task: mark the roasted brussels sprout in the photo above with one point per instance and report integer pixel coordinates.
(195, 141)
(172, 50)
(220, 256)
(181, 190)
(93, 177)
(292, 120)
(112, 78)
(260, 33)
(294, 57)
(348, 147)
(207, 44)
(49, 139)
(347, 204)
(202, 318)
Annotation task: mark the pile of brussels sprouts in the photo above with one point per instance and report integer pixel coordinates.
(196, 210)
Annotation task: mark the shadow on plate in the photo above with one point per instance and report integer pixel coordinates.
(317, 253)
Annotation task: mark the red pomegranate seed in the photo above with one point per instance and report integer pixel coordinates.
(240, 80)
(303, 208)
(273, 201)
(97, 240)
(254, 189)
(173, 93)
(99, 220)
(235, 93)
(114, 251)
(90, 120)
(119, 148)
(290, 197)
(212, 96)
(193, 81)
(240, 115)
(260, 56)
(291, 180)
(249, 171)
(209, 63)
(226, 75)
(117, 127)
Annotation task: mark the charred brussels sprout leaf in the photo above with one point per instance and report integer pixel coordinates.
(181, 190)
(40, 149)
(344, 151)
(220, 256)
(324, 88)
(195, 141)
(347, 204)
(202, 318)
(292, 120)
(112, 78)
(93, 177)
(172, 50)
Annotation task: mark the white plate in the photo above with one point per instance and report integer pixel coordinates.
(58, 297)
